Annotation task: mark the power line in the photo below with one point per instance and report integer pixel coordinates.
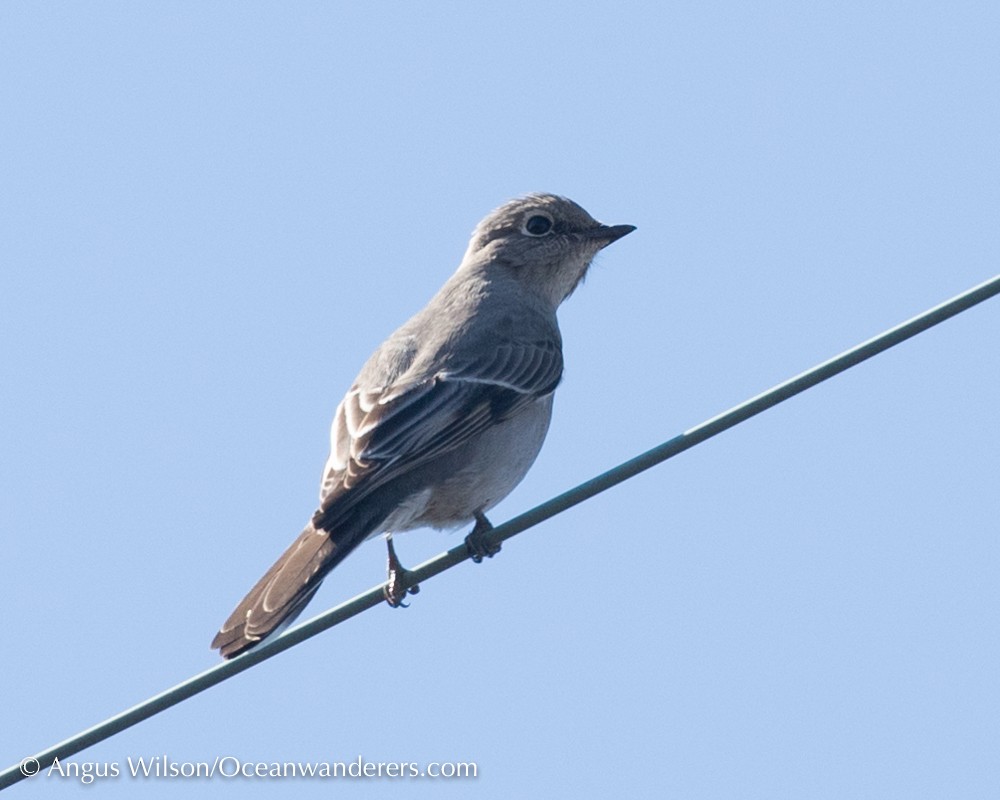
(500, 533)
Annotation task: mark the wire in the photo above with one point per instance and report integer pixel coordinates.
(373, 597)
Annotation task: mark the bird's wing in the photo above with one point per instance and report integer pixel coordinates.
(380, 433)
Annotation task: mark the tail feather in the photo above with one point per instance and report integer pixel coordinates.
(284, 591)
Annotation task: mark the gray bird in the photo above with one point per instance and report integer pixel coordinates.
(447, 415)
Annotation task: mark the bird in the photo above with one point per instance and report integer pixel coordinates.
(447, 415)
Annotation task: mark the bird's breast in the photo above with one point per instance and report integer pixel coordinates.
(478, 475)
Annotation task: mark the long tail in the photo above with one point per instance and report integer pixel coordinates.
(279, 597)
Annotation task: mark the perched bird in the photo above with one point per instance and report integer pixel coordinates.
(447, 415)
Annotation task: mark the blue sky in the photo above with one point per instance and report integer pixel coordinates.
(210, 216)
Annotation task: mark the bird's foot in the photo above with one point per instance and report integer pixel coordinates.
(476, 542)
(400, 581)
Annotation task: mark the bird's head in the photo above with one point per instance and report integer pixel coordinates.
(545, 240)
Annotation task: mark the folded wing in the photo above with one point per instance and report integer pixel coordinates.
(381, 433)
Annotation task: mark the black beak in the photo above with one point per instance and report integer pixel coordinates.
(610, 233)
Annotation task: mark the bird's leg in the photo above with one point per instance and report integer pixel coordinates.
(400, 580)
(475, 542)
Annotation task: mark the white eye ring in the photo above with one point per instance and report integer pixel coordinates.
(537, 224)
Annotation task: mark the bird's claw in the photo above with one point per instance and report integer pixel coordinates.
(395, 590)
(476, 544)
(400, 582)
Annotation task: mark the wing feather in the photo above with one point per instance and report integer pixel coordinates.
(378, 434)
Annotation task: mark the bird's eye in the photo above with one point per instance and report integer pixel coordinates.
(538, 225)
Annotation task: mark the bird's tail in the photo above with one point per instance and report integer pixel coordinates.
(279, 597)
